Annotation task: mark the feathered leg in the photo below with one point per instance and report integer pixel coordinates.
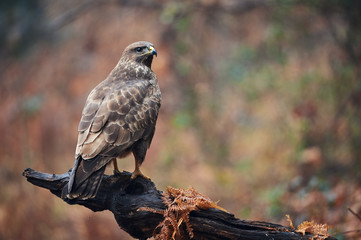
(139, 151)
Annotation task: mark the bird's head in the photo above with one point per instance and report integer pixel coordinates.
(140, 52)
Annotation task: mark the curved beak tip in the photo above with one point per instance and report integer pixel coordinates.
(154, 52)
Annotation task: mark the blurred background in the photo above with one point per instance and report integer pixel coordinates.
(261, 106)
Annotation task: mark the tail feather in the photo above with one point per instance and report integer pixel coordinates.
(88, 188)
(83, 184)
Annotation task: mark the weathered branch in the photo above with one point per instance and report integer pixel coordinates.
(126, 198)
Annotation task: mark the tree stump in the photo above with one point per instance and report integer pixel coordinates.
(139, 208)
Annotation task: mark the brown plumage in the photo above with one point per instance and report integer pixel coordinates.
(119, 118)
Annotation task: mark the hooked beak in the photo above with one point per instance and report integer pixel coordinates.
(152, 51)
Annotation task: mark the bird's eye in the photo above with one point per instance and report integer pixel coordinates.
(138, 49)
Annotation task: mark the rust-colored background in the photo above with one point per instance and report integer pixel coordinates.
(261, 106)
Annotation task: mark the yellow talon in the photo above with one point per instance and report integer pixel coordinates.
(138, 173)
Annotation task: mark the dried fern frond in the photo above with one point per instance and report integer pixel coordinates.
(288, 218)
(180, 203)
(148, 209)
(319, 230)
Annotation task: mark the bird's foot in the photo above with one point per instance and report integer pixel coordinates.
(138, 173)
(115, 165)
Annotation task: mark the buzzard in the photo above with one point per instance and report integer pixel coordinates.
(119, 118)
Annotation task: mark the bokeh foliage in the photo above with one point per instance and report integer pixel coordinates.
(261, 105)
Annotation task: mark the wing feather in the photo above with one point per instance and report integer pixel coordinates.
(118, 120)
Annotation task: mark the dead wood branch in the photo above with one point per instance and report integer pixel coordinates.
(129, 200)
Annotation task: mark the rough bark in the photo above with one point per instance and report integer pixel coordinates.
(124, 197)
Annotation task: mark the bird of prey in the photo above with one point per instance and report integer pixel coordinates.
(119, 118)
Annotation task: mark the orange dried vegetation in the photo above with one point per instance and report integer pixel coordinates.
(179, 203)
(320, 231)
